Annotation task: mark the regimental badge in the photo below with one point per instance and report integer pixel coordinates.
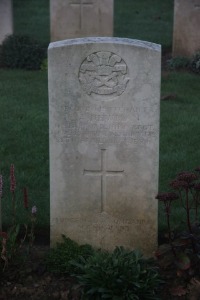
(103, 73)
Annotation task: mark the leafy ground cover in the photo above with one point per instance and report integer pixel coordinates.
(36, 282)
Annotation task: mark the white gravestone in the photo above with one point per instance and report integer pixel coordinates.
(6, 19)
(186, 32)
(80, 18)
(104, 96)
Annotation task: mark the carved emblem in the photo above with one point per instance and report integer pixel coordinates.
(103, 73)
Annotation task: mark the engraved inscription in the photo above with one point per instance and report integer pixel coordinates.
(81, 2)
(122, 225)
(103, 172)
(103, 73)
(107, 125)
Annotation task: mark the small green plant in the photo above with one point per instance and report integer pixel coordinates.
(185, 63)
(187, 187)
(44, 65)
(182, 252)
(195, 63)
(178, 63)
(12, 240)
(21, 52)
(58, 258)
(119, 275)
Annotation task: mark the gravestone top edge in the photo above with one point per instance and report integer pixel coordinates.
(106, 40)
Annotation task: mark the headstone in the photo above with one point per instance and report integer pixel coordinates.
(186, 32)
(104, 141)
(81, 18)
(6, 19)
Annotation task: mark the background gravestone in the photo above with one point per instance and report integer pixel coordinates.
(6, 19)
(80, 18)
(104, 98)
(186, 33)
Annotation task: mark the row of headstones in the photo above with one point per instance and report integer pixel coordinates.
(6, 19)
(104, 108)
(104, 96)
(79, 18)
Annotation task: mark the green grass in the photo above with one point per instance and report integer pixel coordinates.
(179, 126)
(24, 105)
(24, 138)
(149, 20)
(31, 17)
(179, 132)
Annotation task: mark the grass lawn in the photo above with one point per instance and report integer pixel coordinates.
(149, 20)
(24, 138)
(179, 131)
(24, 105)
(32, 18)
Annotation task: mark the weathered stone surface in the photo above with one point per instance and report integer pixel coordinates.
(6, 19)
(104, 96)
(81, 18)
(186, 32)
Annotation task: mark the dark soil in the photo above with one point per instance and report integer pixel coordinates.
(31, 280)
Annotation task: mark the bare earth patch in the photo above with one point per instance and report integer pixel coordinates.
(33, 281)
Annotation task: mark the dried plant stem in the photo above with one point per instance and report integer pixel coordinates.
(25, 235)
(3, 253)
(188, 219)
(32, 237)
(167, 209)
(196, 197)
(0, 216)
(13, 208)
(188, 212)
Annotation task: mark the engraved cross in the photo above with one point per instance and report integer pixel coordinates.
(81, 4)
(103, 173)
